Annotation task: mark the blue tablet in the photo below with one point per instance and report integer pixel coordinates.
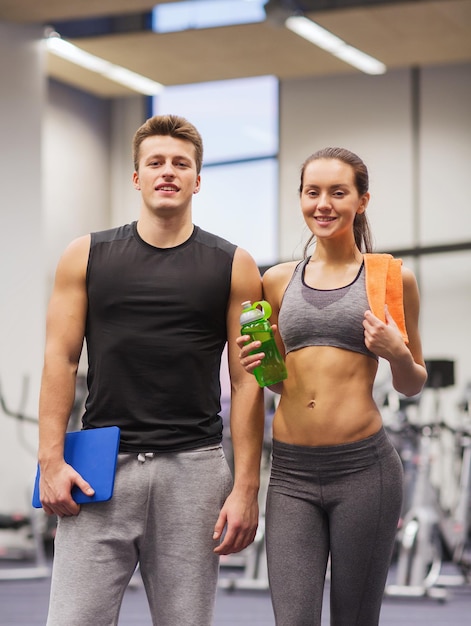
(94, 454)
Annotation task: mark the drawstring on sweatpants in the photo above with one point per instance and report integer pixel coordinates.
(142, 456)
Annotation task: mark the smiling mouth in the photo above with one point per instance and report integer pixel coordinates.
(167, 188)
(324, 219)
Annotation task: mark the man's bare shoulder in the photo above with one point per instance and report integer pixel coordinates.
(78, 247)
(74, 259)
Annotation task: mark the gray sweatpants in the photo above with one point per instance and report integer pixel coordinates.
(162, 517)
(340, 500)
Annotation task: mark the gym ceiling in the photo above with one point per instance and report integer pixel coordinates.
(403, 34)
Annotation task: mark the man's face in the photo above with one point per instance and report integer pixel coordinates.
(167, 176)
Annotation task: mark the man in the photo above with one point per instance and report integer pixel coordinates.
(156, 301)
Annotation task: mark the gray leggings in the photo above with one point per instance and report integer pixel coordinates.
(342, 500)
(162, 516)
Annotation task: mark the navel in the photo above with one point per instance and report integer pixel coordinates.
(311, 404)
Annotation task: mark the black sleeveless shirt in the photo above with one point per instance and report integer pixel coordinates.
(156, 329)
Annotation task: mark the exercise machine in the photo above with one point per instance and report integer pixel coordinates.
(455, 520)
(428, 532)
(32, 525)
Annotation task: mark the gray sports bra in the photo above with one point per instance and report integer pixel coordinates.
(323, 317)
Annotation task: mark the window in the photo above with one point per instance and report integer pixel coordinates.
(177, 16)
(238, 120)
(238, 202)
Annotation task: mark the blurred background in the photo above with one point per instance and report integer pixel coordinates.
(389, 80)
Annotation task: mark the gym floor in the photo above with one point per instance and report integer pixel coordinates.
(24, 603)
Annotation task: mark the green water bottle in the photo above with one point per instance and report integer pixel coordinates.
(254, 322)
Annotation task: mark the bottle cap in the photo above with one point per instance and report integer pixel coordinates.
(256, 311)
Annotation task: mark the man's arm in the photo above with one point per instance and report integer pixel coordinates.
(239, 515)
(65, 329)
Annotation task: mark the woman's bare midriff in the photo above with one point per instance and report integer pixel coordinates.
(327, 398)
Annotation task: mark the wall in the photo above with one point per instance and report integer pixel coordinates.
(76, 168)
(127, 115)
(445, 217)
(91, 192)
(22, 267)
(368, 115)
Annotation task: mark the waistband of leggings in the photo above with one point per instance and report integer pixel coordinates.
(375, 444)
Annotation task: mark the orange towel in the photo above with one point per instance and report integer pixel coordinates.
(384, 286)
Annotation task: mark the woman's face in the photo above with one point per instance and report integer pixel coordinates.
(330, 199)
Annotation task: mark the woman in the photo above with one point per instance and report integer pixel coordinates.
(336, 481)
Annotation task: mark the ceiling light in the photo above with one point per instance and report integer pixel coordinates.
(324, 39)
(66, 50)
